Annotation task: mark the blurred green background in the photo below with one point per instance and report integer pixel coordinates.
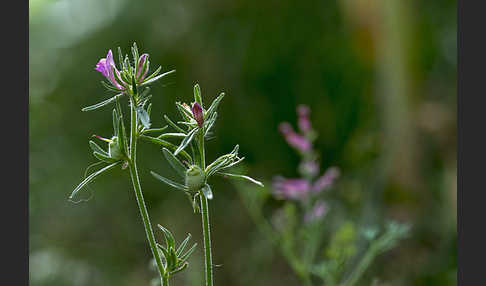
(379, 76)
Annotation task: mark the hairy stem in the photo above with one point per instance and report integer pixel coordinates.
(205, 218)
(138, 189)
(165, 280)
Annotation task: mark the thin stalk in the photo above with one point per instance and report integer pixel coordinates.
(138, 189)
(165, 280)
(361, 267)
(205, 218)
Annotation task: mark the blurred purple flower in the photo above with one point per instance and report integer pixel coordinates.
(319, 210)
(197, 112)
(294, 139)
(106, 66)
(304, 122)
(290, 189)
(141, 62)
(326, 180)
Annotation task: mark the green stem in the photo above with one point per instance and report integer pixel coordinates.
(165, 280)
(205, 218)
(361, 267)
(138, 189)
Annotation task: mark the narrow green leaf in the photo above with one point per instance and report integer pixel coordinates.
(179, 269)
(149, 109)
(120, 58)
(100, 104)
(181, 247)
(210, 123)
(197, 94)
(155, 129)
(109, 87)
(173, 124)
(115, 122)
(170, 182)
(167, 145)
(213, 106)
(207, 192)
(97, 148)
(135, 55)
(149, 81)
(91, 177)
(171, 135)
(175, 163)
(186, 141)
(243, 177)
(121, 137)
(185, 114)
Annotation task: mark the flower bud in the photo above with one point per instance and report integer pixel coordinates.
(197, 112)
(114, 148)
(195, 178)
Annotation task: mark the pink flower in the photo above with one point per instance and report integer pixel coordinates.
(304, 122)
(319, 210)
(106, 66)
(290, 189)
(293, 139)
(326, 180)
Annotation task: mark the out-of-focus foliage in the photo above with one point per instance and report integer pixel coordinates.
(379, 75)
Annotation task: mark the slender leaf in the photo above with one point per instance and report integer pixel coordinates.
(175, 163)
(100, 104)
(186, 141)
(170, 182)
(173, 124)
(186, 114)
(243, 177)
(213, 106)
(184, 266)
(115, 122)
(91, 177)
(154, 129)
(167, 145)
(120, 58)
(149, 81)
(171, 135)
(210, 123)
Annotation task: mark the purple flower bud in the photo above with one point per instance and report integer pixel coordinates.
(290, 189)
(304, 122)
(293, 139)
(197, 112)
(319, 209)
(326, 180)
(141, 62)
(106, 66)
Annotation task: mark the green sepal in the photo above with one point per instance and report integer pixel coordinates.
(170, 182)
(181, 247)
(185, 114)
(93, 176)
(208, 193)
(175, 163)
(197, 94)
(105, 158)
(169, 238)
(109, 87)
(213, 106)
(179, 269)
(101, 104)
(186, 255)
(96, 148)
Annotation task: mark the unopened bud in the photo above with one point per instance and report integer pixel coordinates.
(194, 178)
(197, 112)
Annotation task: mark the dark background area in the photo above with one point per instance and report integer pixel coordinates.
(379, 76)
